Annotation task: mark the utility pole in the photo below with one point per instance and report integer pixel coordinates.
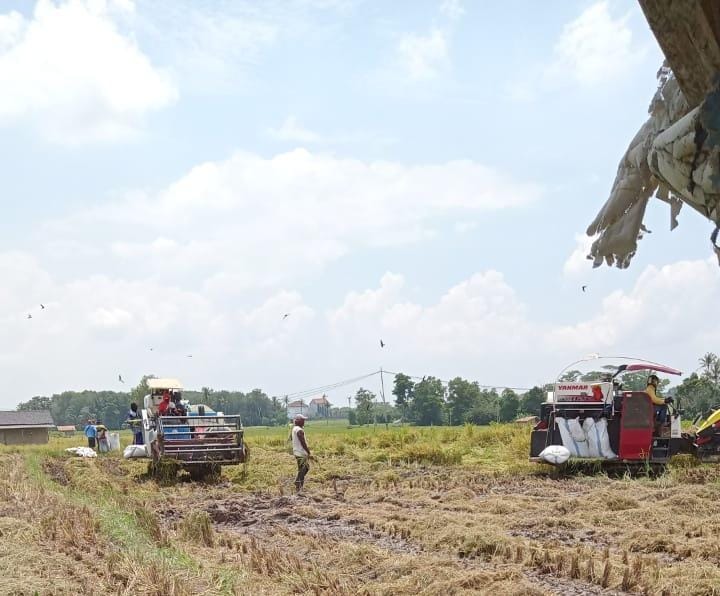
(382, 393)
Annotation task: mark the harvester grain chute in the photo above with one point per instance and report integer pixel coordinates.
(195, 438)
(599, 421)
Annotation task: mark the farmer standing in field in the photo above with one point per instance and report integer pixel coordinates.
(133, 419)
(301, 451)
(91, 433)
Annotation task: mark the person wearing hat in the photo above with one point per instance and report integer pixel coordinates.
(659, 403)
(301, 451)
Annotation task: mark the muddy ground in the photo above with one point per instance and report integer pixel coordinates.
(534, 534)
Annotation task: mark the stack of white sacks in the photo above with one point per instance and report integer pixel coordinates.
(589, 439)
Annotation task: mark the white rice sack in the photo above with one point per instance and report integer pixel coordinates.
(565, 435)
(555, 454)
(592, 437)
(114, 441)
(601, 430)
(82, 451)
(578, 436)
(134, 451)
(567, 439)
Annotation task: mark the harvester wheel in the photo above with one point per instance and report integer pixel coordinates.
(205, 472)
(164, 470)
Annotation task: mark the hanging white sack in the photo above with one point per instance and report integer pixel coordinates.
(578, 435)
(576, 448)
(592, 437)
(601, 430)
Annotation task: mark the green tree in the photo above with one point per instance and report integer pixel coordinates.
(696, 395)
(403, 391)
(36, 403)
(364, 402)
(428, 402)
(486, 409)
(707, 362)
(138, 393)
(570, 376)
(462, 397)
(637, 381)
(530, 401)
(509, 405)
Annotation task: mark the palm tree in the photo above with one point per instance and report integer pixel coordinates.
(714, 373)
(707, 362)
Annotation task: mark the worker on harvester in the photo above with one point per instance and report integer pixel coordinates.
(658, 401)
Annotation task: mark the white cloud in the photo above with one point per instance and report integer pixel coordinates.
(578, 263)
(259, 222)
(664, 314)
(480, 328)
(71, 72)
(594, 48)
(211, 45)
(423, 57)
(292, 130)
(452, 9)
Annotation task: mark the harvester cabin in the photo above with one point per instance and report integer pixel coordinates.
(157, 388)
(25, 428)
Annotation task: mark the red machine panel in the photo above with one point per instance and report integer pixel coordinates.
(636, 426)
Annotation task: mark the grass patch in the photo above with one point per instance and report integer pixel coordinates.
(401, 510)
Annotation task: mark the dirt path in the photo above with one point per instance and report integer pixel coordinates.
(276, 520)
(260, 516)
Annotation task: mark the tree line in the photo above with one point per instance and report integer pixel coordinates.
(429, 402)
(424, 402)
(111, 407)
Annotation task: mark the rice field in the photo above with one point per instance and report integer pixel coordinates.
(444, 510)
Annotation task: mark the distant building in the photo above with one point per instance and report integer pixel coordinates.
(25, 428)
(296, 407)
(68, 430)
(319, 407)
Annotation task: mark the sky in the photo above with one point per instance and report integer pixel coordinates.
(179, 175)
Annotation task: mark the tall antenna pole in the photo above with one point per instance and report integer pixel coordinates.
(382, 393)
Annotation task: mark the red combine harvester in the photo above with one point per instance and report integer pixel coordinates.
(600, 421)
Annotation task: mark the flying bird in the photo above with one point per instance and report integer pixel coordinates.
(151, 349)
(42, 307)
(29, 316)
(382, 344)
(120, 379)
(584, 288)
(189, 356)
(286, 315)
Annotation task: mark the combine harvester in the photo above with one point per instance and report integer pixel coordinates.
(600, 422)
(198, 440)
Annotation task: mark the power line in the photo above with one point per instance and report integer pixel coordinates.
(329, 387)
(446, 382)
(338, 384)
